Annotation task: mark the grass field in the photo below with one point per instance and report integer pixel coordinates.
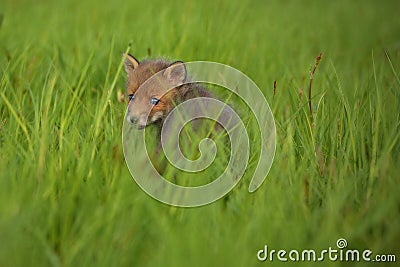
(66, 195)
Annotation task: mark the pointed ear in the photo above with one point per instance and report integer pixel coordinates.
(130, 62)
(176, 72)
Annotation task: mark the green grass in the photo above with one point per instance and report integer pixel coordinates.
(66, 195)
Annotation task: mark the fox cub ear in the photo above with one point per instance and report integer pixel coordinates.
(130, 63)
(176, 72)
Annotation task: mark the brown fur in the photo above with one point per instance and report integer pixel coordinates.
(171, 75)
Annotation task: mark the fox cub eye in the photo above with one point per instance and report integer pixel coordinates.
(154, 101)
(131, 97)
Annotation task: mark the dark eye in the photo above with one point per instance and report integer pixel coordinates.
(154, 101)
(131, 97)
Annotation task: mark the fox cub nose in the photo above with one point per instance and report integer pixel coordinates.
(137, 121)
(133, 119)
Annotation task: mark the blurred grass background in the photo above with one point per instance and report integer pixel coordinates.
(66, 196)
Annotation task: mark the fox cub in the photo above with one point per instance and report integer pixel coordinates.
(155, 88)
(152, 103)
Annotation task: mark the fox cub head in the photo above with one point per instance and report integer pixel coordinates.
(150, 100)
